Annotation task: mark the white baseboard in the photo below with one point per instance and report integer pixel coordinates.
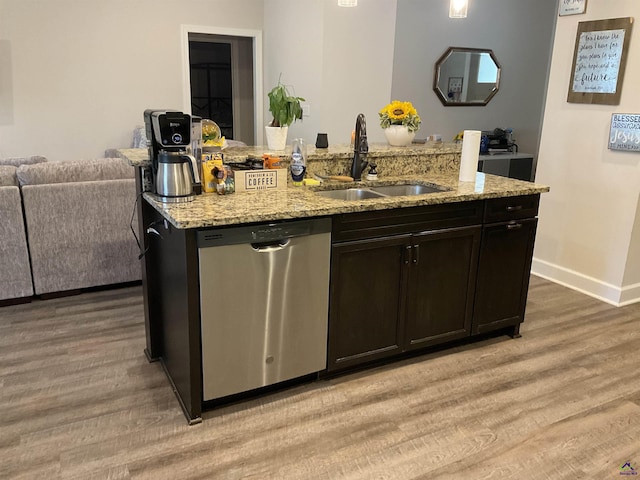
(588, 285)
(630, 294)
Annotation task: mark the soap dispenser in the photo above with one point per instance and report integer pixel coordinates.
(373, 173)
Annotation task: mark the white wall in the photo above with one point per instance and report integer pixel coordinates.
(587, 221)
(83, 72)
(358, 66)
(632, 272)
(339, 59)
(80, 73)
(293, 41)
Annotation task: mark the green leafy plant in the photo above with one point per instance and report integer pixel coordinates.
(284, 107)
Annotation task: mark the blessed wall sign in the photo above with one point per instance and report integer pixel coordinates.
(624, 133)
(572, 7)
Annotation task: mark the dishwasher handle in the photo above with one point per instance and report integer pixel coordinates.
(267, 247)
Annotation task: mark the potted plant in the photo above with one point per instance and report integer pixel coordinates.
(400, 122)
(285, 109)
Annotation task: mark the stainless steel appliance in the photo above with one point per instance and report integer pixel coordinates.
(174, 174)
(272, 326)
(177, 172)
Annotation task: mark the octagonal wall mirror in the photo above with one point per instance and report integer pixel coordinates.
(466, 77)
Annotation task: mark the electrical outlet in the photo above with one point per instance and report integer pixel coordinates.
(306, 110)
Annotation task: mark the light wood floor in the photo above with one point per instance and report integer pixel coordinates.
(78, 400)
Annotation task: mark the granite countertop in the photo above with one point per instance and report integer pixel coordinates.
(212, 210)
(138, 157)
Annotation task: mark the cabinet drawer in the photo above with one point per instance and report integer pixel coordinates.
(511, 208)
(381, 223)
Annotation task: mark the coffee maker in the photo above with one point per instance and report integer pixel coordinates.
(174, 173)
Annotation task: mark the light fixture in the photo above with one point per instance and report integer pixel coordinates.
(458, 8)
(347, 3)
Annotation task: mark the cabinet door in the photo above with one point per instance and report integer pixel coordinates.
(503, 274)
(441, 286)
(366, 299)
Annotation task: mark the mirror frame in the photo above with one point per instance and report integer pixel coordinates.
(436, 77)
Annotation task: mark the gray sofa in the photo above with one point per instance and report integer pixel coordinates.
(77, 216)
(17, 161)
(15, 272)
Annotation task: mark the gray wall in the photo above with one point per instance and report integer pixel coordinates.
(519, 32)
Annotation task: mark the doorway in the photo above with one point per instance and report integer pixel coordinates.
(223, 80)
(211, 89)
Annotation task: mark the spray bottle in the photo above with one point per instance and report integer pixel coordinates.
(298, 165)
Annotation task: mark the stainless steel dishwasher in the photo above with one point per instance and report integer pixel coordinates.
(264, 300)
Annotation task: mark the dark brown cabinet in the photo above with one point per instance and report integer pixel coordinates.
(508, 237)
(366, 295)
(403, 292)
(402, 280)
(441, 286)
(512, 165)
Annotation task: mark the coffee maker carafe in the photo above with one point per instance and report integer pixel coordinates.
(175, 175)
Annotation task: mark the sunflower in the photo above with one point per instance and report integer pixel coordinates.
(400, 113)
(398, 110)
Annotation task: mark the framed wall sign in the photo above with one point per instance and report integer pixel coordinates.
(455, 84)
(455, 88)
(599, 61)
(625, 132)
(572, 7)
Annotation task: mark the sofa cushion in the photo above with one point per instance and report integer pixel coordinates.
(17, 161)
(8, 176)
(76, 171)
(15, 271)
(79, 234)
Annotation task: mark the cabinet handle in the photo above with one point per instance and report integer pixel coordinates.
(407, 254)
(514, 208)
(514, 226)
(416, 254)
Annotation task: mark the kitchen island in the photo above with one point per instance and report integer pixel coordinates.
(406, 272)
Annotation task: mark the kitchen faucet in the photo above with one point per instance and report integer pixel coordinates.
(360, 149)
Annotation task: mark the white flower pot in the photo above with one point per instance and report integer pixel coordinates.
(276, 137)
(399, 135)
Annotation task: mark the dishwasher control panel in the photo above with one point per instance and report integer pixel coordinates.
(262, 233)
(267, 233)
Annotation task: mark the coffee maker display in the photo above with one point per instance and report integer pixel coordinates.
(175, 175)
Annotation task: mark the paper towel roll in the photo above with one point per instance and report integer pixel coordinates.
(470, 153)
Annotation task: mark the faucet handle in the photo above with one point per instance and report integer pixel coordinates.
(364, 145)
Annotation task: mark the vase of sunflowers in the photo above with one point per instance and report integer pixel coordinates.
(400, 122)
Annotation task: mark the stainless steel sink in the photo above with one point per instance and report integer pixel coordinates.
(382, 191)
(398, 190)
(350, 194)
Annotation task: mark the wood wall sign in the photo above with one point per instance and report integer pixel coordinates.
(625, 132)
(572, 7)
(599, 61)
